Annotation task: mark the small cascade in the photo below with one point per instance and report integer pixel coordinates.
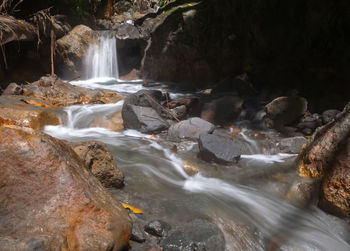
(101, 59)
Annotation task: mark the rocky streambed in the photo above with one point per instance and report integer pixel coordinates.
(216, 180)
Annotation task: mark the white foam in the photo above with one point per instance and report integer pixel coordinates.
(280, 157)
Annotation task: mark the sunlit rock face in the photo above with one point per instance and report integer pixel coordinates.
(335, 194)
(46, 194)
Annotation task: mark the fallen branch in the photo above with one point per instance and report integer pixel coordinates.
(163, 108)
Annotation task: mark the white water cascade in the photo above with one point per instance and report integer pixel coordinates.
(101, 60)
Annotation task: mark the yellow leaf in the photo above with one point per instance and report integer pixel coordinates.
(307, 137)
(134, 209)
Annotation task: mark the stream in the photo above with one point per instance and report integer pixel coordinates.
(246, 200)
(242, 198)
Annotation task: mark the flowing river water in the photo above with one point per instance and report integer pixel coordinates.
(236, 198)
(245, 200)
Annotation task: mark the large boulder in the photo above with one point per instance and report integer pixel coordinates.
(196, 235)
(335, 190)
(218, 149)
(141, 112)
(71, 49)
(100, 162)
(46, 191)
(145, 98)
(59, 93)
(190, 129)
(143, 119)
(20, 111)
(284, 111)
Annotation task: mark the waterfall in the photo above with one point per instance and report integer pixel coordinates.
(101, 59)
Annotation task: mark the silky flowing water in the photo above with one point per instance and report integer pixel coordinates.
(245, 200)
(243, 194)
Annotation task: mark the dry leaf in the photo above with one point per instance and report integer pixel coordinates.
(134, 209)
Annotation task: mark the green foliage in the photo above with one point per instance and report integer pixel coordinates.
(162, 3)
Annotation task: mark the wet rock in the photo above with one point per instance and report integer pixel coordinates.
(179, 112)
(222, 110)
(113, 122)
(310, 121)
(16, 110)
(122, 6)
(158, 228)
(100, 162)
(13, 89)
(45, 190)
(145, 98)
(218, 149)
(196, 235)
(240, 236)
(329, 115)
(190, 129)
(59, 93)
(71, 49)
(191, 168)
(284, 111)
(292, 144)
(191, 105)
(143, 119)
(137, 234)
(127, 31)
(307, 131)
(335, 190)
(38, 243)
(302, 192)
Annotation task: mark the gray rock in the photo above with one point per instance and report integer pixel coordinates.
(190, 128)
(292, 144)
(146, 98)
(38, 243)
(179, 112)
(143, 119)
(128, 31)
(311, 121)
(329, 115)
(13, 89)
(218, 149)
(195, 235)
(158, 228)
(137, 234)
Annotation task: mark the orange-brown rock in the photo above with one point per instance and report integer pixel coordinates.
(59, 93)
(100, 162)
(113, 122)
(45, 191)
(335, 190)
(17, 110)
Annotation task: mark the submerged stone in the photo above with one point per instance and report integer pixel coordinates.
(158, 228)
(196, 235)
